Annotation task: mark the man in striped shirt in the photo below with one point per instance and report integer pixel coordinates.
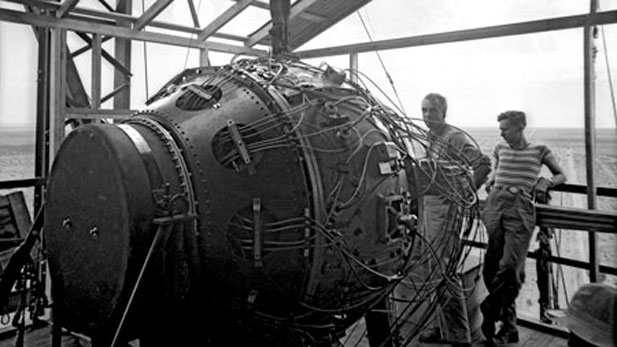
(510, 217)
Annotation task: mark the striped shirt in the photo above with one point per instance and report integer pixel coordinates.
(519, 167)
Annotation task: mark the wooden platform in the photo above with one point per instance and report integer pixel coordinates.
(529, 337)
(41, 337)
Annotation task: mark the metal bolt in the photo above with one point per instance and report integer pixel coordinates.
(67, 224)
(94, 233)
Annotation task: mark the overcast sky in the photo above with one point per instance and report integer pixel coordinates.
(541, 74)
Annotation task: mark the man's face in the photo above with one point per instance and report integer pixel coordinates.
(432, 113)
(510, 131)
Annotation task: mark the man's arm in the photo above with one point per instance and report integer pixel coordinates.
(559, 176)
(480, 163)
(491, 178)
(481, 171)
(544, 184)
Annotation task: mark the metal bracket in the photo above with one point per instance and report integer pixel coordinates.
(202, 94)
(240, 145)
(389, 209)
(257, 231)
(307, 233)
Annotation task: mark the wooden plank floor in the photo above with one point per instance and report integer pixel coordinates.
(41, 337)
(528, 338)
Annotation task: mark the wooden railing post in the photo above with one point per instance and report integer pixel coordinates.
(57, 90)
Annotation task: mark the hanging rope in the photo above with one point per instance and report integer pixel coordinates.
(382, 63)
(610, 79)
(146, 70)
(608, 71)
(188, 49)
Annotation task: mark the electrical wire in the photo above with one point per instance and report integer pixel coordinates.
(382, 63)
(343, 130)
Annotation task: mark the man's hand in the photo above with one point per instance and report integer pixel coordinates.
(541, 188)
(488, 186)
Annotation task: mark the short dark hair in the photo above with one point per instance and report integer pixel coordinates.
(439, 99)
(516, 117)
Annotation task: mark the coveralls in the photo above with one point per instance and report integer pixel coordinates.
(442, 226)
